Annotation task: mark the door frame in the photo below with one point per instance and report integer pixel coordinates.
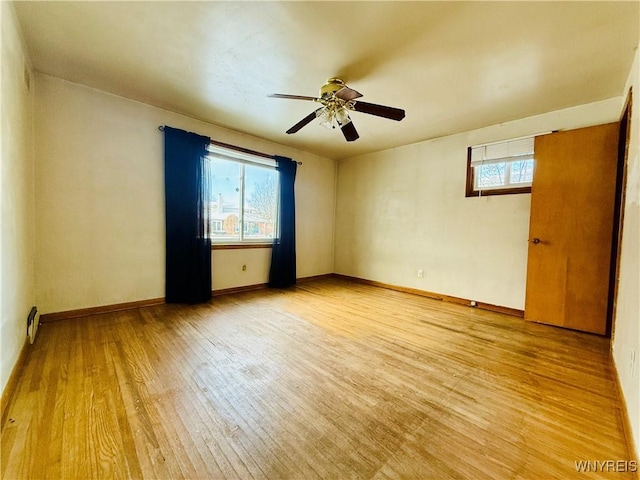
(618, 214)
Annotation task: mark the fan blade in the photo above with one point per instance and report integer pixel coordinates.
(379, 110)
(346, 94)
(349, 131)
(305, 121)
(292, 97)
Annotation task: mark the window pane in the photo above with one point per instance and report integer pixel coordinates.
(501, 167)
(521, 171)
(225, 204)
(261, 199)
(491, 175)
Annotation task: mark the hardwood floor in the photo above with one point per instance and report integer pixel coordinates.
(331, 379)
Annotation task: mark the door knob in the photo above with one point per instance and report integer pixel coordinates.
(535, 241)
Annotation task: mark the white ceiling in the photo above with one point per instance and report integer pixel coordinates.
(453, 66)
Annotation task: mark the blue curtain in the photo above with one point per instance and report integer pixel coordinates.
(188, 257)
(283, 256)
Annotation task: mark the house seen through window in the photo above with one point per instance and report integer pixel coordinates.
(501, 168)
(244, 198)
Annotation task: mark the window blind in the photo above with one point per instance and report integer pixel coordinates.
(517, 149)
(241, 157)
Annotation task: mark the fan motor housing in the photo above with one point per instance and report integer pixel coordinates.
(331, 87)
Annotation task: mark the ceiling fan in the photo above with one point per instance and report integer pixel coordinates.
(337, 100)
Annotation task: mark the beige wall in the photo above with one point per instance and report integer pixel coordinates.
(626, 342)
(16, 197)
(100, 201)
(405, 209)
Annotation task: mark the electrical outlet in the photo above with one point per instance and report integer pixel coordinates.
(420, 273)
(244, 268)
(474, 303)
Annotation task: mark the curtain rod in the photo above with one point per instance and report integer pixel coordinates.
(236, 148)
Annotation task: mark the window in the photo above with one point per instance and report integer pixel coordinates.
(500, 168)
(244, 203)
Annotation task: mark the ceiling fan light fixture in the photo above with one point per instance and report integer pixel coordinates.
(342, 116)
(333, 116)
(325, 117)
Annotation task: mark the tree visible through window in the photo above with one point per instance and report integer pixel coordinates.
(263, 200)
(499, 168)
(244, 202)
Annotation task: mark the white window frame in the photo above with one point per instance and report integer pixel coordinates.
(244, 159)
(507, 152)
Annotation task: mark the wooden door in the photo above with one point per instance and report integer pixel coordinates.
(571, 227)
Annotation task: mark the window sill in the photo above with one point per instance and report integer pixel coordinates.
(498, 191)
(239, 246)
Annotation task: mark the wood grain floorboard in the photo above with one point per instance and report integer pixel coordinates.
(331, 380)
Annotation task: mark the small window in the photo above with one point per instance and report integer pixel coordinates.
(500, 168)
(244, 203)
